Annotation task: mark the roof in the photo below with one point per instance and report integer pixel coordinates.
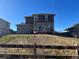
(76, 25)
(73, 27)
(44, 14)
(40, 14)
(4, 20)
(27, 16)
(69, 28)
(20, 24)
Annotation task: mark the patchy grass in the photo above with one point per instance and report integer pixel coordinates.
(6, 39)
(39, 39)
(42, 39)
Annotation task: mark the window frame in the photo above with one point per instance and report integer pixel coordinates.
(36, 18)
(46, 17)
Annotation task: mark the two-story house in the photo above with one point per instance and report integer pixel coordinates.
(4, 27)
(74, 30)
(37, 23)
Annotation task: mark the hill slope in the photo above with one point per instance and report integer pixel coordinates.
(38, 39)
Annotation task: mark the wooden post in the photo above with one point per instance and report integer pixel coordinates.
(35, 51)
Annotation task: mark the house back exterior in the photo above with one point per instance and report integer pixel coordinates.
(74, 30)
(37, 23)
(4, 27)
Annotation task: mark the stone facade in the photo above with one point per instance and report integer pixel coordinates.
(37, 23)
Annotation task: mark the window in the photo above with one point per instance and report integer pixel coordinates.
(46, 17)
(40, 28)
(35, 18)
(34, 27)
(49, 26)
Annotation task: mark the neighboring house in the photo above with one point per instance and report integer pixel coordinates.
(12, 31)
(4, 27)
(37, 23)
(74, 31)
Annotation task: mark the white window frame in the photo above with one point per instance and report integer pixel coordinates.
(46, 17)
(35, 18)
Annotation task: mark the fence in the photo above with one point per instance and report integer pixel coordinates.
(35, 56)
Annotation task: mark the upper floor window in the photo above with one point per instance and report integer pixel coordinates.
(35, 18)
(46, 17)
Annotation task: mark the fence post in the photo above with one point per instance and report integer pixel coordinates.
(76, 51)
(35, 51)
